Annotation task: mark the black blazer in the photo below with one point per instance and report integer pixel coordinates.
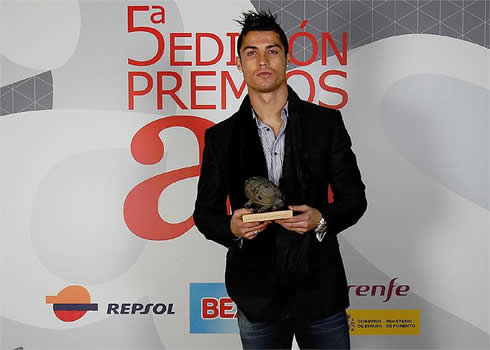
(317, 154)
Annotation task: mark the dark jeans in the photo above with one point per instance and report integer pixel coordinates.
(328, 333)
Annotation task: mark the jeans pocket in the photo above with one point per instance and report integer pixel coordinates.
(253, 329)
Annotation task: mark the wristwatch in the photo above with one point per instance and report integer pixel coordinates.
(322, 226)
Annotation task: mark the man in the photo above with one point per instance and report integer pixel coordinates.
(286, 277)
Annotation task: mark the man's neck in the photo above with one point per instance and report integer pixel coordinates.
(268, 105)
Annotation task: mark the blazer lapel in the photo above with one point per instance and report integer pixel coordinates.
(289, 178)
(247, 155)
(252, 159)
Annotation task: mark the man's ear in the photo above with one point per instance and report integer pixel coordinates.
(238, 63)
(288, 59)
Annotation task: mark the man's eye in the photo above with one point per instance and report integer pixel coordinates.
(273, 52)
(250, 53)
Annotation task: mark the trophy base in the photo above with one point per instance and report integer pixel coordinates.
(271, 215)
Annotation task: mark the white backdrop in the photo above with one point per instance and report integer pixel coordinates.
(417, 112)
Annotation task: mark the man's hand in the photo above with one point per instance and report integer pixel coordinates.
(246, 230)
(301, 223)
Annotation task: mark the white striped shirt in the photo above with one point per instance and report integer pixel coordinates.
(273, 146)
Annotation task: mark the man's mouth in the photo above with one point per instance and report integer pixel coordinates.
(264, 74)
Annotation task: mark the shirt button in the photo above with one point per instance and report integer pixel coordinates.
(275, 153)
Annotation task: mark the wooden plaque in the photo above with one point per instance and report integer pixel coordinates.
(271, 215)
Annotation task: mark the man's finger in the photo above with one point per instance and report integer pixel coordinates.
(251, 225)
(301, 224)
(296, 218)
(258, 228)
(301, 208)
(242, 211)
(251, 228)
(250, 235)
(265, 224)
(300, 230)
(295, 226)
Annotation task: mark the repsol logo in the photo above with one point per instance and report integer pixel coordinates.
(136, 308)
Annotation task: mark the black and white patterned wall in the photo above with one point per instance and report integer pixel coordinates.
(366, 21)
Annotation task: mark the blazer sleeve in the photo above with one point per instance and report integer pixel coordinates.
(345, 180)
(210, 212)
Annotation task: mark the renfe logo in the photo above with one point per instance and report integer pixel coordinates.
(379, 289)
(71, 303)
(211, 309)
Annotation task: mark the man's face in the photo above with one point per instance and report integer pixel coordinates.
(263, 61)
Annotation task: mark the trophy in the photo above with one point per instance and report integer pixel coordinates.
(265, 199)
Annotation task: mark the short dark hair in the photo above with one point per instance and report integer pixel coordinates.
(260, 21)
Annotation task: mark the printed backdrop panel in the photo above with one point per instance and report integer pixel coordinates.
(103, 108)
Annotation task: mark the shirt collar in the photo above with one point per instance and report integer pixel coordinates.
(262, 125)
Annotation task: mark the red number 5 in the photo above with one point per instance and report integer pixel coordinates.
(153, 31)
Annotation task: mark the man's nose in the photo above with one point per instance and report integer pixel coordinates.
(263, 61)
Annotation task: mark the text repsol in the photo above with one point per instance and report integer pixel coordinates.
(131, 309)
